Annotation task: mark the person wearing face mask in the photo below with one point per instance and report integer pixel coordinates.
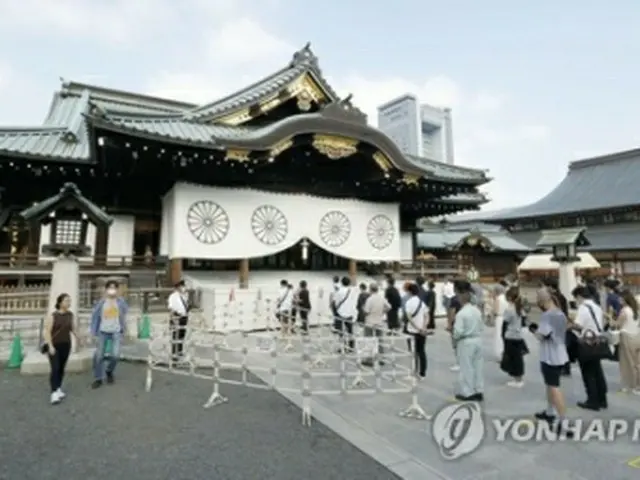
(108, 323)
(178, 304)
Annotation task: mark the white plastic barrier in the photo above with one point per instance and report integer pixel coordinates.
(311, 364)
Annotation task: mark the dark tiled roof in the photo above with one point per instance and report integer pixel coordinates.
(304, 62)
(601, 237)
(43, 143)
(441, 238)
(594, 184)
(265, 137)
(69, 193)
(64, 135)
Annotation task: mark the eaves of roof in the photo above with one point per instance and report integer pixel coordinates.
(265, 138)
(451, 240)
(465, 198)
(69, 193)
(304, 62)
(594, 184)
(601, 237)
(44, 143)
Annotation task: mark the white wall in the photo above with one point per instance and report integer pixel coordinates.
(299, 216)
(406, 247)
(121, 237)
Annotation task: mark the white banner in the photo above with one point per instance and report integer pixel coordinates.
(225, 223)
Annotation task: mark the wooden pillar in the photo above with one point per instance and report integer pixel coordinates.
(353, 270)
(243, 273)
(175, 270)
(101, 245)
(33, 244)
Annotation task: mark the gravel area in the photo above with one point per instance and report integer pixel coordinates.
(121, 432)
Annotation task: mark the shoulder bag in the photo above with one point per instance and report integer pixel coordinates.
(592, 345)
(413, 315)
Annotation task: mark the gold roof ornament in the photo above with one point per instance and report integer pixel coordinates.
(409, 179)
(382, 160)
(335, 147)
(304, 101)
(278, 148)
(426, 256)
(237, 155)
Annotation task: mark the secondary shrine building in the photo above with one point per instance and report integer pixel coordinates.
(283, 174)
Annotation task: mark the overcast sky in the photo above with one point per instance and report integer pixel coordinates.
(532, 85)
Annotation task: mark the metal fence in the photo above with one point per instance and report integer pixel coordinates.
(23, 310)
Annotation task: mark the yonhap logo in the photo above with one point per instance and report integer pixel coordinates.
(458, 429)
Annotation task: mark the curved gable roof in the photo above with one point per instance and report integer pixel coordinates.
(598, 183)
(339, 119)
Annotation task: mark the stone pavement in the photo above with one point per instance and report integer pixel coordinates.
(120, 432)
(406, 447)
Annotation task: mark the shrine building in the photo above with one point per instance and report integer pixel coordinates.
(600, 194)
(281, 175)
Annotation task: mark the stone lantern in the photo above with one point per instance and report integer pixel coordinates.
(68, 214)
(564, 243)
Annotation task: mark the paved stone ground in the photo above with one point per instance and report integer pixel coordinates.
(122, 432)
(370, 422)
(406, 446)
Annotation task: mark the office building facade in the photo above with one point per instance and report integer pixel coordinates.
(418, 129)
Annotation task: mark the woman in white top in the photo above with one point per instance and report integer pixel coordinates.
(500, 304)
(416, 314)
(629, 361)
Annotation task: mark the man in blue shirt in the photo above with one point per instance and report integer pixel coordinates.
(613, 304)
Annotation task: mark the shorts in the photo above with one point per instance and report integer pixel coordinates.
(551, 374)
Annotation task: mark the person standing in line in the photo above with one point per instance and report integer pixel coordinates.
(589, 318)
(613, 302)
(334, 289)
(293, 314)
(416, 315)
(428, 298)
(467, 334)
(454, 308)
(499, 307)
(629, 343)
(362, 298)
(108, 323)
(448, 292)
(304, 306)
(345, 313)
(550, 332)
(393, 298)
(375, 310)
(514, 345)
(431, 305)
(58, 329)
(284, 304)
(178, 304)
(570, 338)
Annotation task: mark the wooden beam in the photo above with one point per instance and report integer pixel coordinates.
(243, 273)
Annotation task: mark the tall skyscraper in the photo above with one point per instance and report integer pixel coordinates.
(420, 130)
